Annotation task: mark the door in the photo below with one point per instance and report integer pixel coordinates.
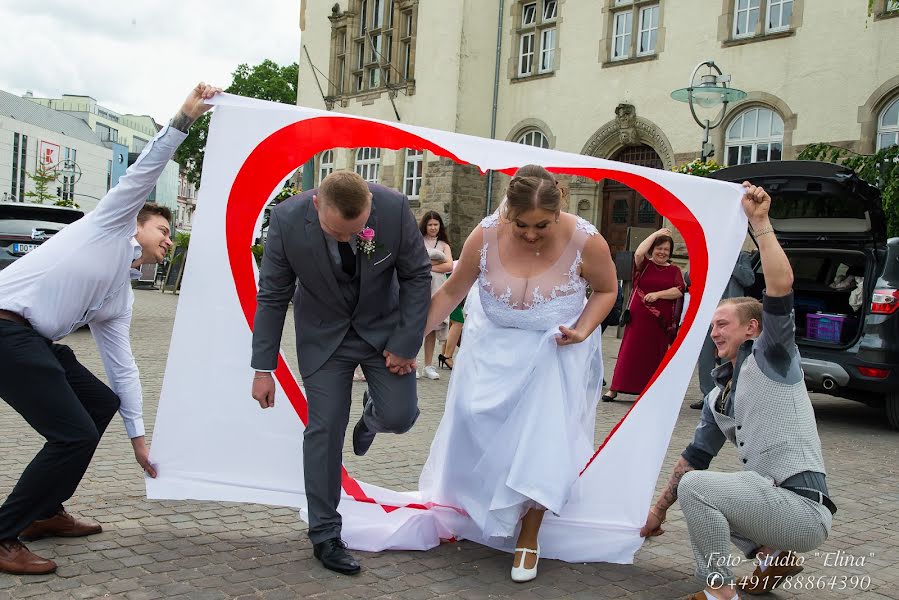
(623, 207)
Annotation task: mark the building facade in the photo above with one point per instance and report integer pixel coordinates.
(33, 135)
(117, 131)
(595, 78)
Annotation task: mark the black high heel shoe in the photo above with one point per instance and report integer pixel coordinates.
(445, 362)
(609, 396)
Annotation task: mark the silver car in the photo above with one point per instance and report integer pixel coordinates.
(25, 226)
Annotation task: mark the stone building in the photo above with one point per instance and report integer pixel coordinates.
(595, 78)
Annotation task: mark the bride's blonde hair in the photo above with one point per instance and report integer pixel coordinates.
(531, 187)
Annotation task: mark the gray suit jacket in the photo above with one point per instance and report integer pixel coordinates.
(394, 286)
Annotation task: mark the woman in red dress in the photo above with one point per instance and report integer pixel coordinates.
(653, 323)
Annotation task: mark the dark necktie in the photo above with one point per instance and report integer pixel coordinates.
(347, 258)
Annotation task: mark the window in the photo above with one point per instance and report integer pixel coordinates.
(756, 135)
(892, 6)
(649, 30)
(368, 164)
(325, 164)
(533, 137)
(19, 159)
(779, 14)
(537, 37)
(746, 18)
(107, 133)
(108, 174)
(138, 144)
(888, 126)
(759, 18)
(371, 46)
(413, 172)
(628, 17)
(69, 159)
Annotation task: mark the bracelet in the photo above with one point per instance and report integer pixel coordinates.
(255, 377)
(657, 515)
(762, 232)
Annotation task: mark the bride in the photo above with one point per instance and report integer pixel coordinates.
(519, 420)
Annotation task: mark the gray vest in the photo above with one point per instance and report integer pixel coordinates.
(349, 286)
(773, 426)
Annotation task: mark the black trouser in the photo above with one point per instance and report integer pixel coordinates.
(62, 401)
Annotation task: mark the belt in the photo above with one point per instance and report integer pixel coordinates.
(815, 495)
(7, 315)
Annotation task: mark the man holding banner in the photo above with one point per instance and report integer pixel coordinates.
(350, 255)
(82, 276)
(779, 503)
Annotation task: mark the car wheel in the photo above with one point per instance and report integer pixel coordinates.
(891, 404)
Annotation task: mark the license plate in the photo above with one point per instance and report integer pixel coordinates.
(23, 248)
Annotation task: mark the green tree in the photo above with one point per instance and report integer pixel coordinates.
(42, 178)
(880, 170)
(266, 81)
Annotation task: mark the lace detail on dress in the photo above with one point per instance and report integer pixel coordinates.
(574, 284)
(586, 226)
(490, 221)
(504, 298)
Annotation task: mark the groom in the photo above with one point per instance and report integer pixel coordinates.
(350, 255)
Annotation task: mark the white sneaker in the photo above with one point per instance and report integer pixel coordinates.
(520, 574)
(431, 373)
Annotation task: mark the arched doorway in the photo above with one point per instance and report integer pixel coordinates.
(622, 207)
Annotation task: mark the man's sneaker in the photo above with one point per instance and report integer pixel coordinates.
(431, 373)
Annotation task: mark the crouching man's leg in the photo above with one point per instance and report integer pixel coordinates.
(748, 508)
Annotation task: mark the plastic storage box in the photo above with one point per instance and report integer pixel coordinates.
(824, 327)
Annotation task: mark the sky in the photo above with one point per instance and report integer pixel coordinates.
(140, 57)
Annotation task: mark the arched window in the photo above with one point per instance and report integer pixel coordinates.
(888, 126)
(533, 137)
(368, 163)
(756, 135)
(325, 164)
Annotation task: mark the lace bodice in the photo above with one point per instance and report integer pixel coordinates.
(554, 297)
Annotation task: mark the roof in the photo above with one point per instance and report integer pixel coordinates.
(22, 109)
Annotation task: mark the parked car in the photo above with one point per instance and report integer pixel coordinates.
(25, 226)
(832, 227)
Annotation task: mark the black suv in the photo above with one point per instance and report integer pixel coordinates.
(24, 227)
(846, 276)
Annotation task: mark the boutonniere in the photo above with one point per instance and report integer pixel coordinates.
(365, 241)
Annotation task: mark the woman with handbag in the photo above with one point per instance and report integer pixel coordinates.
(651, 317)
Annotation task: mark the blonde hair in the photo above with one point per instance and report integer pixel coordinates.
(346, 191)
(529, 193)
(747, 309)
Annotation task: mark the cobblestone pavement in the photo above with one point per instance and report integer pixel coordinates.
(207, 550)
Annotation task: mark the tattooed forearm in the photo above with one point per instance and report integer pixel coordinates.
(669, 496)
(182, 121)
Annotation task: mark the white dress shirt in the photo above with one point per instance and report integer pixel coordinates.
(82, 276)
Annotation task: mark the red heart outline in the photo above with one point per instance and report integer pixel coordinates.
(293, 145)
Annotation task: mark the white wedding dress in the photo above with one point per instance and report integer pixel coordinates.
(520, 411)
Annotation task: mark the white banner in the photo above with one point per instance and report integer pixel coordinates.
(212, 442)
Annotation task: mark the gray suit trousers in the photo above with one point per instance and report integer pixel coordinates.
(749, 510)
(394, 409)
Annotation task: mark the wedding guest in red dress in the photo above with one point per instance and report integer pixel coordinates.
(658, 285)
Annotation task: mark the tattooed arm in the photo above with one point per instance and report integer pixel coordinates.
(707, 441)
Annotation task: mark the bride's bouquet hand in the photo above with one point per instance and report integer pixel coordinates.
(569, 336)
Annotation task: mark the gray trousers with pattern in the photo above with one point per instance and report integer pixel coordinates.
(749, 510)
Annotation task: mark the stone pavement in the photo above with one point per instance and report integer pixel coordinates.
(207, 550)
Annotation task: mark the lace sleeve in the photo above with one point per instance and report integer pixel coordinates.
(490, 221)
(586, 227)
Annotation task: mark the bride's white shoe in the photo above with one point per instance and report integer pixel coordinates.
(521, 574)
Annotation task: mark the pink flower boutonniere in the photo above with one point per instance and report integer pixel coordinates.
(365, 241)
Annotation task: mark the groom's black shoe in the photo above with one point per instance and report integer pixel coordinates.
(362, 435)
(333, 555)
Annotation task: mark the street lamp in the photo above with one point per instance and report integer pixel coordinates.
(708, 91)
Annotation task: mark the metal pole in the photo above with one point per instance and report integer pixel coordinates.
(499, 47)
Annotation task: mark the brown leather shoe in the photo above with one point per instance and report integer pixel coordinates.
(762, 582)
(16, 559)
(700, 595)
(62, 524)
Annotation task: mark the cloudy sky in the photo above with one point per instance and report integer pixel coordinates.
(139, 57)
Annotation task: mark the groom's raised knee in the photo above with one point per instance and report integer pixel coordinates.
(399, 418)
